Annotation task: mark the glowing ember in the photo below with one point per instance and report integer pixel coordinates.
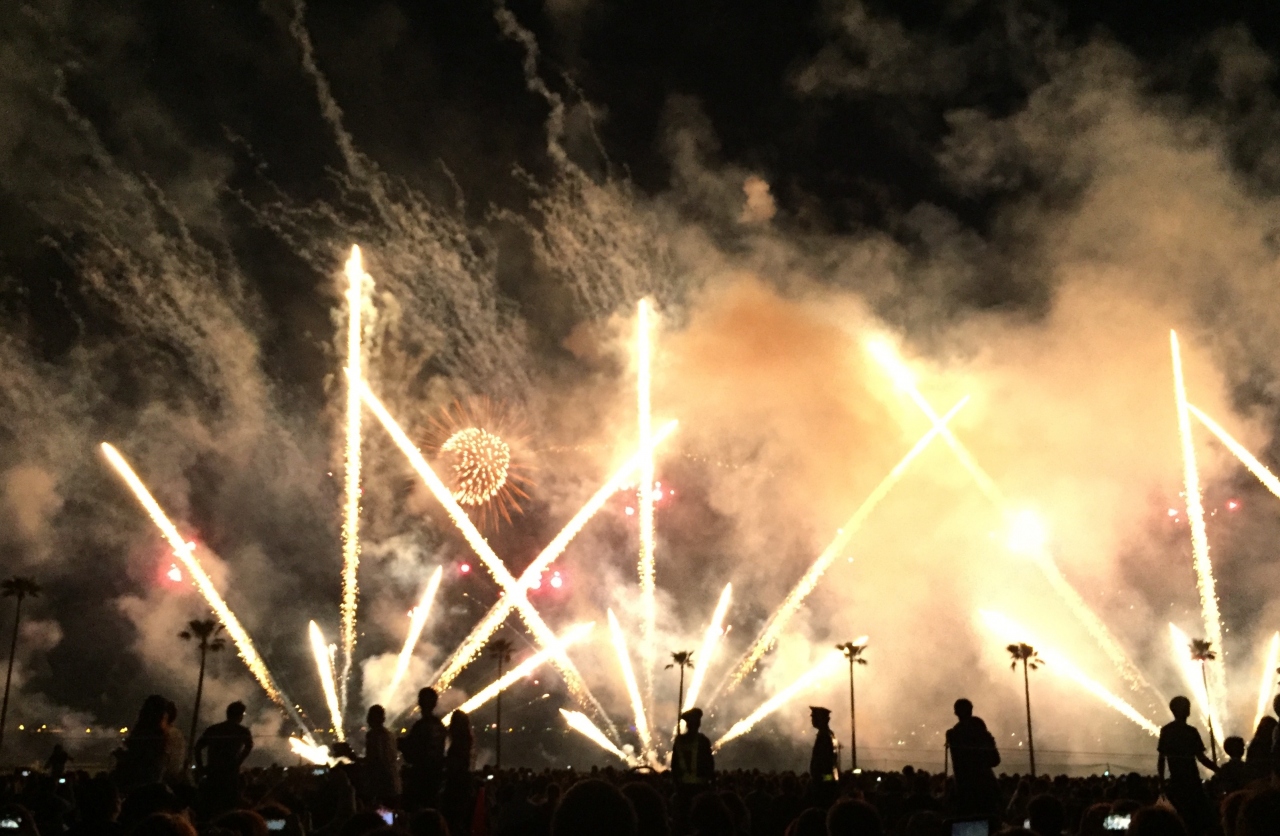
(174, 574)
(480, 461)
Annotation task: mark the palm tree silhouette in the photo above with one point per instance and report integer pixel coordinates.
(20, 588)
(1026, 654)
(205, 632)
(500, 649)
(853, 652)
(680, 659)
(1202, 651)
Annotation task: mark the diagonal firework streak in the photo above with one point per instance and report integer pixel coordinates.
(497, 614)
(779, 620)
(710, 640)
(633, 688)
(1251, 463)
(572, 636)
(901, 376)
(502, 576)
(244, 645)
(416, 624)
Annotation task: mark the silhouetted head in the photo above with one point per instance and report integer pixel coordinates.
(428, 823)
(963, 709)
(708, 814)
(1046, 815)
(692, 719)
(164, 824)
(593, 808)
(152, 713)
(1260, 814)
(427, 699)
(170, 711)
(376, 717)
(651, 810)
(853, 818)
(1180, 707)
(1234, 747)
(819, 717)
(235, 711)
(1156, 821)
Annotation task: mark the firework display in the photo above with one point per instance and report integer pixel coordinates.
(417, 622)
(356, 278)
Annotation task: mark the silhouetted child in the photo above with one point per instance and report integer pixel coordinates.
(1232, 775)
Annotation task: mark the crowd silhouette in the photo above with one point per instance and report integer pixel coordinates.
(424, 783)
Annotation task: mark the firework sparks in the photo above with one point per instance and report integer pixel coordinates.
(1257, 468)
(830, 664)
(356, 278)
(417, 621)
(309, 752)
(497, 614)
(1191, 672)
(324, 667)
(633, 688)
(648, 600)
(183, 550)
(1268, 686)
(710, 639)
(1029, 537)
(572, 636)
(480, 463)
(582, 724)
(1006, 629)
(1027, 534)
(1199, 536)
(510, 586)
(783, 615)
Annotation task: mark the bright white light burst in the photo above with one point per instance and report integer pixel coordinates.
(480, 461)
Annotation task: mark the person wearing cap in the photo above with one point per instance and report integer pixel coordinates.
(822, 763)
(692, 763)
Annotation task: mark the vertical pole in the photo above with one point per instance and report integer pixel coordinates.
(1031, 741)
(13, 651)
(853, 722)
(497, 746)
(195, 711)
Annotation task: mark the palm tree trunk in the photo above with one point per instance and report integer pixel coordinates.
(680, 702)
(853, 723)
(13, 651)
(1213, 743)
(195, 712)
(1031, 741)
(497, 745)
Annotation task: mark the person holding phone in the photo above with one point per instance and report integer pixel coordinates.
(1180, 748)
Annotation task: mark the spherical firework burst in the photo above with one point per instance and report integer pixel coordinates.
(484, 458)
(480, 461)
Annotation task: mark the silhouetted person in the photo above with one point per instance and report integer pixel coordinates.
(1046, 815)
(56, 765)
(1260, 814)
(142, 761)
(973, 758)
(1180, 747)
(459, 797)
(1275, 740)
(175, 747)
(1156, 821)
(853, 818)
(219, 753)
(1258, 755)
(423, 751)
(381, 761)
(1234, 774)
(822, 762)
(693, 766)
(651, 812)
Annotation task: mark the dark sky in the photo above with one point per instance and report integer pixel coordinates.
(202, 114)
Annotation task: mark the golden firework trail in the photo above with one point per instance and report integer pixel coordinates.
(582, 724)
(1194, 678)
(323, 654)
(417, 621)
(497, 614)
(502, 576)
(1268, 686)
(633, 688)
(183, 550)
(572, 636)
(782, 616)
(648, 589)
(1006, 629)
(710, 639)
(902, 377)
(830, 664)
(310, 752)
(1199, 537)
(356, 278)
(1257, 468)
